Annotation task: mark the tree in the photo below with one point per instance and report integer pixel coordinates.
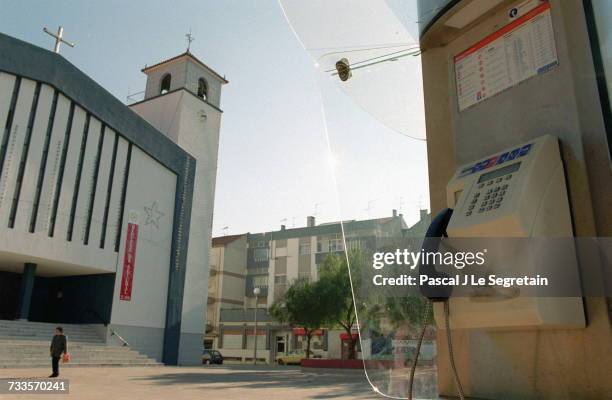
(304, 305)
(335, 283)
(411, 310)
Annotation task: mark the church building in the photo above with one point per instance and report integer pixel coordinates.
(106, 210)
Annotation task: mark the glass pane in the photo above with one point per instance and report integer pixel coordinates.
(428, 9)
(380, 45)
(375, 131)
(603, 20)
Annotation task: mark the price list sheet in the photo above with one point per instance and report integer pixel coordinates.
(518, 51)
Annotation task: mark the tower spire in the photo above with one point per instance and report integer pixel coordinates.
(190, 39)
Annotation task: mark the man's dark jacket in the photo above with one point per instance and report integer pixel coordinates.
(58, 345)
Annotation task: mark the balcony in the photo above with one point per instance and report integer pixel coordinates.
(248, 290)
(257, 260)
(242, 315)
(257, 271)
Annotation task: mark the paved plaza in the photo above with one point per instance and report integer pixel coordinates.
(216, 382)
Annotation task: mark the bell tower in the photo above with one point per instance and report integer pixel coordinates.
(183, 100)
(187, 72)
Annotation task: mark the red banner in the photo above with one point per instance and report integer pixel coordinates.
(129, 262)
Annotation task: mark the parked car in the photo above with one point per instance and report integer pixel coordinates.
(212, 357)
(296, 357)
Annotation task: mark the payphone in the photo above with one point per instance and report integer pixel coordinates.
(519, 192)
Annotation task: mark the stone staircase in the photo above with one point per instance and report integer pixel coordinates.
(25, 344)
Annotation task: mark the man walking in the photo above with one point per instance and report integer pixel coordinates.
(58, 347)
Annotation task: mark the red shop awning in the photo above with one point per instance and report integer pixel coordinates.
(302, 332)
(345, 336)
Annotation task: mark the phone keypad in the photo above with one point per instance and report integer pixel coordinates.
(488, 196)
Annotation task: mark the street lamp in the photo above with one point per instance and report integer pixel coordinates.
(256, 292)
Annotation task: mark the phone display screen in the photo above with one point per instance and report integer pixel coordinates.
(499, 172)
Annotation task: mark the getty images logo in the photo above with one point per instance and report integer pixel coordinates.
(410, 259)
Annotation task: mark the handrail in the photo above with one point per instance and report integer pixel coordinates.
(112, 331)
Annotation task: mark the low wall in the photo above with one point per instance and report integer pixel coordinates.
(359, 364)
(245, 355)
(331, 363)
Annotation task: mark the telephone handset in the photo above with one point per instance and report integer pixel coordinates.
(431, 243)
(440, 294)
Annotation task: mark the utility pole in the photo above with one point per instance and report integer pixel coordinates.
(256, 292)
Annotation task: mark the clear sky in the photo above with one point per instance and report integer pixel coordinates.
(274, 161)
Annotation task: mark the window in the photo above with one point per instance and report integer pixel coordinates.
(260, 254)
(165, 84)
(232, 341)
(336, 243)
(202, 89)
(319, 245)
(280, 279)
(280, 265)
(304, 248)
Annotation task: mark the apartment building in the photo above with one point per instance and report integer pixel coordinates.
(226, 282)
(271, 261)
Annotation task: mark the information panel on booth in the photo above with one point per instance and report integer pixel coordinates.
(520, 50)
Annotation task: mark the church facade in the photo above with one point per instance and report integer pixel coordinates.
(106, 211)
